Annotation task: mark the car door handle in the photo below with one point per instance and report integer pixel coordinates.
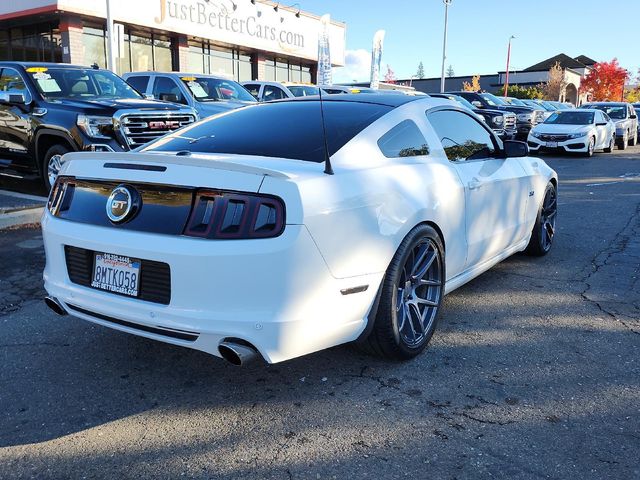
(474, 184)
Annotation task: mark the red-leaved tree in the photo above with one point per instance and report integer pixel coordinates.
(390, 76)
(605, 82)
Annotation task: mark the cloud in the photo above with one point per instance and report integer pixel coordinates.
(357, 67)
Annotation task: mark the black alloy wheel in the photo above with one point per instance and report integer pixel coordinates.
(544, 229)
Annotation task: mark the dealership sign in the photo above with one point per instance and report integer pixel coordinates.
(257, 26)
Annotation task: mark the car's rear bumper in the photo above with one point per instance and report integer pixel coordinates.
(277, 294)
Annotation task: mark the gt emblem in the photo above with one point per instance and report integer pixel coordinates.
(123, 204)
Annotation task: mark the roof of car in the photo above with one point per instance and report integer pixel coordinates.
(374, 98)
(44, 64)
(613, 104)
(180, 74)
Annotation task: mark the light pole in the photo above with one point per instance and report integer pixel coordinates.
(444, 42)
(506, 81)
(111, 48)
(411, 80)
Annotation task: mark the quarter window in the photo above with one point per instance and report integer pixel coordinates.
(403, 140)
(165, 88)
(462, 137)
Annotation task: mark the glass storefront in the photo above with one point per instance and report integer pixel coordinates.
(34, 43)
(283, 70)
(209, 59)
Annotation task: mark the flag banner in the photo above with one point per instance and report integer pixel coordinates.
(325, 72)
(376, 57)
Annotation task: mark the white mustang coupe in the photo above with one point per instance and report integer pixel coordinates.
(285, 228)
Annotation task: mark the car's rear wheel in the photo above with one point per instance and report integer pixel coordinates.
(612, 143)
(634, 140)
(544, 229)
(51, 164)
(410, 299)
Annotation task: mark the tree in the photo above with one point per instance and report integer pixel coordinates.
(517, 91)
(390, 76)
(450, 72)
(420, 72)
(605, 81)
(474, 86)
(555, 84)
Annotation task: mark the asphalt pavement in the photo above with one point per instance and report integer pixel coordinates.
(533, 373)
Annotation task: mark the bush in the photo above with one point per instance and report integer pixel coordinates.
(517, 91)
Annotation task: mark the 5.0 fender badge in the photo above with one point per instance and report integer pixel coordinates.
(123, 204)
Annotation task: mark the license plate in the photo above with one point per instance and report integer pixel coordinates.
(552, 145)
(116, 274)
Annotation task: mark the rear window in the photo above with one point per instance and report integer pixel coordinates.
(291, 129)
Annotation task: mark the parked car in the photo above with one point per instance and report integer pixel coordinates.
(267, 91)
(546, 106)
(502, 123)
(207, 94)
(49, 109)
(561, 105)
(526, 117)
(625, 118)
(578, 131)
(297, 240)
(636, 107)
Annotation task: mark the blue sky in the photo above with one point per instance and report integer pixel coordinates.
(479, 31)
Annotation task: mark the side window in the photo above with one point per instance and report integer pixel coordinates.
(403, 140)
(599, 117)
(606, 117)
(164, 88)
(463, 138)
(11, 81)
(139, 83)
(253, 89)
(273, 93)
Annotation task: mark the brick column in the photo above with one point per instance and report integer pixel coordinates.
(182, 45)
(72, 47)
(258, 67)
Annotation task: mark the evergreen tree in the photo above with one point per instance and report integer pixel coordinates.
(450, 72)
(420, 73)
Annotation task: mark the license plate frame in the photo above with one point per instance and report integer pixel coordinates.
(551, 145)
(116, 274)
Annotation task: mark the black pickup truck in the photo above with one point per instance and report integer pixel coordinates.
(49, 109)
(527, 117)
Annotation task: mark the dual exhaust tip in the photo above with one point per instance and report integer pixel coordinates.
(236, 352)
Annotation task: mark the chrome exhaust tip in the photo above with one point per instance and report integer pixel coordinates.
(238, 354)
(55, 305)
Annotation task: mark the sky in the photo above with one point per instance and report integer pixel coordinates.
(478, 33)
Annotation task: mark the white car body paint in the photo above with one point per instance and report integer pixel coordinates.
(602, 135)
(283, 294)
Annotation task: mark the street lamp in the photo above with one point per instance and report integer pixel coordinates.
(411, 80)
(506, 81)
(111, 49)
(444, 43)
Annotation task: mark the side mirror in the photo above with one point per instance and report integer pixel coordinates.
(12, 98)
(476, 104)
(169, 97)
(514, 148)
(633, 116)
(149, 96)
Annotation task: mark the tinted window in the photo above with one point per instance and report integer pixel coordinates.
(53, 82)
(273, 93)
(285, 129)
(403, 140)
(462, 137)
(139, 83)
(164, 88)
(571, 118)
(11, 81)
(253, 89)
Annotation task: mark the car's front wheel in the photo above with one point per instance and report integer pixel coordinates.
(544, 229)
(590, 147)
(51, 164)
(410, 299)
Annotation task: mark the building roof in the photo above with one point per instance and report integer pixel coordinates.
(565, 62)
(585, 60)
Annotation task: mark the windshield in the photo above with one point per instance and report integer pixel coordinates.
(209, 89)
(85, 84)
(492, 99)
(571, 118)
(618, 112)
(464, 102)
(303, 90)
(515, 101)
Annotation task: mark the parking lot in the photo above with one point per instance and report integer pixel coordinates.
(532, 373)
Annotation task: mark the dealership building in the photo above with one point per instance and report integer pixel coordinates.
(239, 39)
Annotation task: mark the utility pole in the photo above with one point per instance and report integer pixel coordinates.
(506, 83)
(444, 42)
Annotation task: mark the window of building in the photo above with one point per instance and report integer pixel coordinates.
(207, 58)
(463, 137)
(37, 43)
(283, 70)
(94, 46)
(403, 140)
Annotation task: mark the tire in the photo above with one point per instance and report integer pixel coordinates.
(544, 229)
(401, 330)
(591, 147)
(624, 142)
(612, 143)
(51, 164)
(634, 141)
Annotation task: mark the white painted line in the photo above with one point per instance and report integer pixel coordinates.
(21, 217)
(36, 198)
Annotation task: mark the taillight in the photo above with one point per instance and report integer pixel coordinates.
(228, 215)
(61, 195)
